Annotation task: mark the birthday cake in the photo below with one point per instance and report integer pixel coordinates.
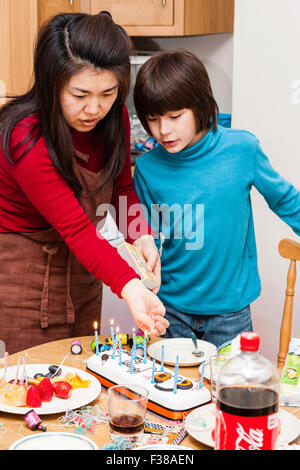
(166, 398)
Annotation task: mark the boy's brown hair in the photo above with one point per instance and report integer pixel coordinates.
(174, 80)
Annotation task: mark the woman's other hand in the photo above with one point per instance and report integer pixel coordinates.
(147, 247)
(147, 310)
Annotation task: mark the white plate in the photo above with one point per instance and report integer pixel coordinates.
(162, 447)
(78, 398)
(289, 430)
(54, 441)
(184, 347)
(201, 422)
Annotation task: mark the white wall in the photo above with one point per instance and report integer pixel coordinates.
(266, 101)
(116, 309)
(216, 53)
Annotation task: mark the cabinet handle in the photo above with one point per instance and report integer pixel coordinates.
(164, 3)
(71, 2)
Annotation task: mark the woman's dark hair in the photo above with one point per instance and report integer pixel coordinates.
(66, 45)
(175, 80)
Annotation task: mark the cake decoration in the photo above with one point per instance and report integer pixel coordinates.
(176, 372)
(202, 373)
(153, 371)
(162, 377)
(162, 359)
(123, 368)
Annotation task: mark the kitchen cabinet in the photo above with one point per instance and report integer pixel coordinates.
(18, 26)
(47, 8)
(169, 17)
(153, 17)
(20, 19)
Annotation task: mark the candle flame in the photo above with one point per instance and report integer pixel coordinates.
(112, 322)
(95, 325)
(117, 329)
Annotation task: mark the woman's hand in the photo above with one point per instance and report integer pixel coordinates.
(147, 310)
(150, 252)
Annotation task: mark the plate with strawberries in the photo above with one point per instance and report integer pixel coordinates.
(47, 388)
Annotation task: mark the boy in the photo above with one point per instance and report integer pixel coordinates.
(195, 186)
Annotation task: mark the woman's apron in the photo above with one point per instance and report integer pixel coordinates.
(45, 293)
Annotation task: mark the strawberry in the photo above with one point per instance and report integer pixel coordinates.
(62, 389)
(33, 398)
(45, 389)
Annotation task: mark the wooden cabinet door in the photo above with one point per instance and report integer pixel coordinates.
(18, 25)
(137, 12)
(47, 8)
(169, 17)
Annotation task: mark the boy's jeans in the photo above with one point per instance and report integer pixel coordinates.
(216, 329)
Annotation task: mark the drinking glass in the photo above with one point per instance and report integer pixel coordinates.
(127, 405)
(216, 362)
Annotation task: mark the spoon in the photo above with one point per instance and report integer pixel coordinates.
(197, 352)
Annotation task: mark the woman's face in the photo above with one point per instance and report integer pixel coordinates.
(88, 97)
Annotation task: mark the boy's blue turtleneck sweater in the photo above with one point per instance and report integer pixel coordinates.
(209, 262)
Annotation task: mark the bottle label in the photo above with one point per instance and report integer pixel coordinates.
(246, 432)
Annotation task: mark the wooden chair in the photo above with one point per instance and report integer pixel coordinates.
(291, 250)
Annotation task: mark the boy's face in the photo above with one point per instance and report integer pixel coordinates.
(175, 130)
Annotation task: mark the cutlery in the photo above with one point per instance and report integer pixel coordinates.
(197, 352)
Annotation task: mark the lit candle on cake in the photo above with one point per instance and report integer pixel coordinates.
(176, 371)
(115, 343)
(134, 344)
(96, 338)
(112, 329)
(162, 358)
(153, 371)
(145, 343)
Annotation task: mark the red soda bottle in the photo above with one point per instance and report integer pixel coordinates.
(247, 400)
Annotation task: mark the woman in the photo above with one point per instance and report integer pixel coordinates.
(64, 151)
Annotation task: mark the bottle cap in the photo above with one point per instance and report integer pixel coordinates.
(249, 341)
(42, 428)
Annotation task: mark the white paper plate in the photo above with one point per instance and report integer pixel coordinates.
(78, 398)
(290, 428)
(54, 441)
(201, 422)
(183, 347)
(162, 447)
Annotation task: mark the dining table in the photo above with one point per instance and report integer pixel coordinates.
(13, 426)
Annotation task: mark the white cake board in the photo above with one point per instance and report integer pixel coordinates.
(162, 399)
